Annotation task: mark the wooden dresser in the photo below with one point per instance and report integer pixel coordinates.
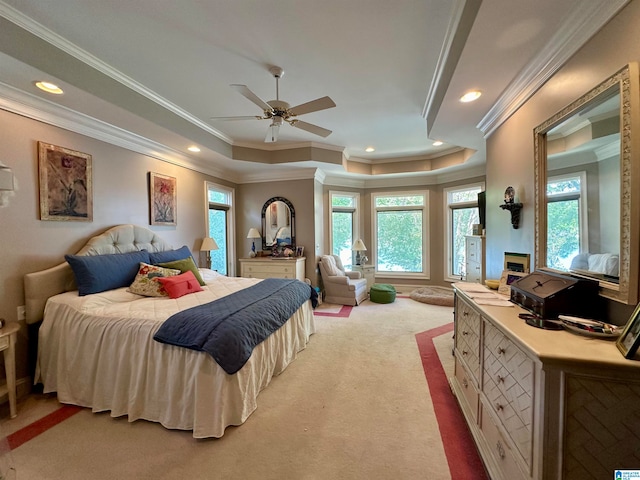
(543, 404)
(273, 267)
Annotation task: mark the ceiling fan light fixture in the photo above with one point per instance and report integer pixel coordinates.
(470, 96)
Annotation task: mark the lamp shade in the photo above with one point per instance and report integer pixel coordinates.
(358, 246)
(253, 233)
(208, 244)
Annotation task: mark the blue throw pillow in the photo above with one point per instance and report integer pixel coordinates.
(170, 255)
(98, 273)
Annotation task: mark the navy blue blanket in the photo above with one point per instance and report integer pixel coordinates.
(229, 328)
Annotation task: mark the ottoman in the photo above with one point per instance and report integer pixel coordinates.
(382, 293)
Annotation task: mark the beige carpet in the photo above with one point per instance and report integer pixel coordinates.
(354, 405)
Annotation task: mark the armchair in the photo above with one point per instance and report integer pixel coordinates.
(340, 286)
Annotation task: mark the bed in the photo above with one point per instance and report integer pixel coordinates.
(97, 350)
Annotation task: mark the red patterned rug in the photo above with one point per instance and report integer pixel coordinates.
(460, 449)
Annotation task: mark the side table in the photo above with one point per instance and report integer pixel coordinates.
(368, 272)
(8, 335)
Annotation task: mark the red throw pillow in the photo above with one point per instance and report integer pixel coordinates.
(180, 285)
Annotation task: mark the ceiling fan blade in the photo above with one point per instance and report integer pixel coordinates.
(246, 117)
(272, 133)
(248, 94)
(313, 106)
(309, 127)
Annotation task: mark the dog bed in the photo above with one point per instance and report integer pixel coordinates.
(433, 295)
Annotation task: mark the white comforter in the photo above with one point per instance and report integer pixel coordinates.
(98, 351)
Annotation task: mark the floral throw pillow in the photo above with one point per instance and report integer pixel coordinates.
(146, 282)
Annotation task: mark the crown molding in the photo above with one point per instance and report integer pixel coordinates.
(39, 109)
(577, 29)
(63, 44)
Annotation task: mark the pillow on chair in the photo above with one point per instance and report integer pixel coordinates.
(331, 267)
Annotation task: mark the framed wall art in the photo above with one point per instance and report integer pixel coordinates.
(507, 278)
(163, 206)
(629, 340)
(66, 185)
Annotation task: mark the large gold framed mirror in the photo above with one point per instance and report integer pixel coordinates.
(586, 187)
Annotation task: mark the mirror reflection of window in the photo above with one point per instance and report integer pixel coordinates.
(565, 231)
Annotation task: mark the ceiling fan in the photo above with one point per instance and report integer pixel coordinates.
(279, 111)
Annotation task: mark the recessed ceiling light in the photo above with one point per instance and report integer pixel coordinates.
(437, 143)
(49, 88)
(470, 96)
(369, 149)
(194, 149)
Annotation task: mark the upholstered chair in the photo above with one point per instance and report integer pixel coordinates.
(340, 286)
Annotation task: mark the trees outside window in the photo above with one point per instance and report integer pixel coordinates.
(219, 222)
(401, 232)
(344, 224)
(565, 229)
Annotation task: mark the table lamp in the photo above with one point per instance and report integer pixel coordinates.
(253, 234)
(358, 246)
(208, 244)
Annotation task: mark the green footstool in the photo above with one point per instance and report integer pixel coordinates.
(382, 293)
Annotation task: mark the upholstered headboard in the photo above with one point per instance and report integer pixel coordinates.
(39, 286)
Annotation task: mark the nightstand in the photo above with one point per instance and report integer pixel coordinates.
(8, 335)
(368, 273)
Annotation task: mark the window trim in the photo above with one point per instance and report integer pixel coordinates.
(355, 215)
(426, 243)
(448, 223)
(231, 222)
(582, 202)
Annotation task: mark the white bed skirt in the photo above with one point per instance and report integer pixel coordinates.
(111, 363)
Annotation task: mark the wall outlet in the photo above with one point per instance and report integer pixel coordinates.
(22, 313)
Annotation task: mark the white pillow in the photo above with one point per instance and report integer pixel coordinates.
(331, 267)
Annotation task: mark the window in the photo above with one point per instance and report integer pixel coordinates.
(566, 221)
(344, 224)
(462, 213)
(220, 221)
(400, 233)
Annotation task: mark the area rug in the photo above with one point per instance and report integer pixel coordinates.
(433, 295)
(368, 393)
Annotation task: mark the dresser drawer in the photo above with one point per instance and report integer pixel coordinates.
(468, 389)
(473, 249)
(468, 326)
(271, 269)
(508, 385)
(503, 455)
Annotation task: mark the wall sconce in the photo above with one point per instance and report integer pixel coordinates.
(6, 178)
(512, 206)
(7, 185)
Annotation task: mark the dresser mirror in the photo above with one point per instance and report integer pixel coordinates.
(586, 193)
(278, 224)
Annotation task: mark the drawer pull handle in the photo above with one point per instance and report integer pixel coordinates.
(501, 351)
(500, 449)
(499, 407)
(465, 314)
(464, 352)
(500, 379)
(465, 384)
(464, 332)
